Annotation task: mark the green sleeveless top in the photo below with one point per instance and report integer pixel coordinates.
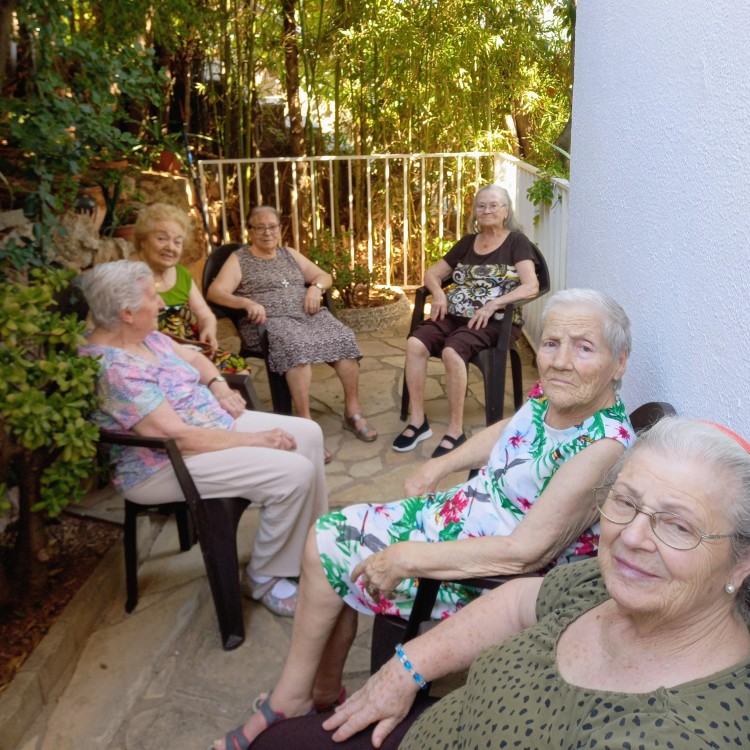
(178, 295)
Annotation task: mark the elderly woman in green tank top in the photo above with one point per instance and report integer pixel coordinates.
(160, 234)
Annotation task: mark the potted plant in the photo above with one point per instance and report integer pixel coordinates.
(359, 301)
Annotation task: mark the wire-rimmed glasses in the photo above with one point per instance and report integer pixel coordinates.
(491, 207)
(672, 529)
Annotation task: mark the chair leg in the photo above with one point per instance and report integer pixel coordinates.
(387, 631)
(217, 520)
(185, 528)
(405, 401)
(516, 373)
(131, 554)
(491, 363)
(280, 394)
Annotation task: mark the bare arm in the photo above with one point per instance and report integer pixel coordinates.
(206, 319)
(448, 648)
(165, 422)
(473, 454)
(223, 287)
(527, 289)
(230, 400)
(434, 277)
(561, 513)
(313, 275)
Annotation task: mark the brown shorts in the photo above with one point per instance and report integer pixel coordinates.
(453, 332)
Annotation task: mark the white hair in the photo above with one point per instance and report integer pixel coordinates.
(728, 463)
(615, 321)
(111, 287)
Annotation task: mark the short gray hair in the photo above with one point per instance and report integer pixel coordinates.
(615, 321)
(472, 225)
(111, 287)
(698, 441)
(255, 211)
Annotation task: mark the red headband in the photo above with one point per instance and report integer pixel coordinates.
(731, 434)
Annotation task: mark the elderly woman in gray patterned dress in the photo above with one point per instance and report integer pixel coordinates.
(281, 288)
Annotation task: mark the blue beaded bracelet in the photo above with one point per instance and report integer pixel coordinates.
(409, 668)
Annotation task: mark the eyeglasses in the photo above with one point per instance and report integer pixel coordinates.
(672, 529)
(261, 229)
(480, 207)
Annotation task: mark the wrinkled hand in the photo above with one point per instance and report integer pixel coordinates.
(312, 300)
(384, 699)
(482, 316)
(229, 400)
(255, 313)
(382, 571)
(275, 438)
(438, 306)
(209, 337)
(423, 481)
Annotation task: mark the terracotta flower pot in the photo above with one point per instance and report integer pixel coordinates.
(125, 232)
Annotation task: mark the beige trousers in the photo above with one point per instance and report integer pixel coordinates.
(289, 488)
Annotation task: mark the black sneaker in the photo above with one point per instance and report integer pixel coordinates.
(405, 443)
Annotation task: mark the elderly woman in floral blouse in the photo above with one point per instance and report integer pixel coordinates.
(151, 386)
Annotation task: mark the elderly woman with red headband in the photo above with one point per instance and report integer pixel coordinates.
(647, 646)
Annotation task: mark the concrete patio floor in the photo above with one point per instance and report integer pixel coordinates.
(158, 677)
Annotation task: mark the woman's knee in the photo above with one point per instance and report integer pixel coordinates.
(308, 434)
(311, 560)
(415, 349)
(451, 356)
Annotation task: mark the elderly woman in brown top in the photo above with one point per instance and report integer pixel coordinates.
(281, 288)
(491, 267)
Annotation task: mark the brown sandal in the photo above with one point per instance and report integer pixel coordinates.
(365, 433)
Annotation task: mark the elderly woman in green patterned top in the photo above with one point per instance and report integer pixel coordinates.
(529, 507)
(160, 234)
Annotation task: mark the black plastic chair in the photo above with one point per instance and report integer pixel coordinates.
(215, 520)
(388, 630)
(491, 362)
(281, 398)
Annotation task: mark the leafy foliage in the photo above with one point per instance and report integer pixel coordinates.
(79, 100)
(46, 389)
(352, 280)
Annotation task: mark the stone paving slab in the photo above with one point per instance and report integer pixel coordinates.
(158, 678)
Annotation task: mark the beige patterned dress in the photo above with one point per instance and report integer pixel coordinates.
(294, 337)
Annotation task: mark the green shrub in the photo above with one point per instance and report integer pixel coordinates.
(46, 393)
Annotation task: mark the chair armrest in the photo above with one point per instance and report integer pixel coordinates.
(244, 386)
(187, 485)
(427, 592)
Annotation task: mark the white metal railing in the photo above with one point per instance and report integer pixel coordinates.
(389, 209)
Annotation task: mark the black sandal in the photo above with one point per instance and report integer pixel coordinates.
(455, 442)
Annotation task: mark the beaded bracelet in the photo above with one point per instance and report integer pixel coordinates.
(409, 668)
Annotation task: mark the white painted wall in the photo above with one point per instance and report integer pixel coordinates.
(660, 193)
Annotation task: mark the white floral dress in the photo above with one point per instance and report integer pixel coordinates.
(493, 503)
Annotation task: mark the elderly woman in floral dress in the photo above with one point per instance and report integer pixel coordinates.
(529, 507)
